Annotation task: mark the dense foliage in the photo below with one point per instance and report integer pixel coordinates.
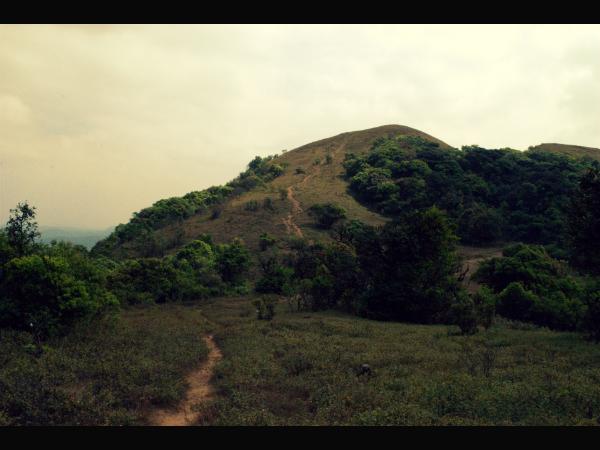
(405, 270)
(52, 287)
(46, 289)
(490, 194)
(584, 223)
(533, 287)
(327, 214)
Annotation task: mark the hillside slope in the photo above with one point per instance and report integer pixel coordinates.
(291, 195)
(575, 151)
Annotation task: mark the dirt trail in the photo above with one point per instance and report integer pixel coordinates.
(200, 390)
(288, 221)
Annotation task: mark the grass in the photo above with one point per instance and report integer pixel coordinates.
(304, 369)
(301, 368)
(110, 373)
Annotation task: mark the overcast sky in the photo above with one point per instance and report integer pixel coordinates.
(99, 121)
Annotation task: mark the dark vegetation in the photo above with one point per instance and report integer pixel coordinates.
(403, 271)
(327, 214)
(492, 195)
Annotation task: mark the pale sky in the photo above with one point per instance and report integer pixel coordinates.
(97, 122)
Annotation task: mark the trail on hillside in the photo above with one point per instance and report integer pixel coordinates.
(200, 391)
(288, 221)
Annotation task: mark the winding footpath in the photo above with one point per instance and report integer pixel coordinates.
(200, 391)
(288, 221)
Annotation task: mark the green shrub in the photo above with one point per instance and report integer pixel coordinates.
(534, 287)
(252, 205)
(326, 214)
(233, 260)
(591, 320)
(515, 302)
(265, 308)
(44, 295)
(268, 204)
(485, 306)
(464, 314)
(266, 241)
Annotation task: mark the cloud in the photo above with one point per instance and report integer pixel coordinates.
(13, 111)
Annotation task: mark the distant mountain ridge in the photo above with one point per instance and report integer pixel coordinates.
(80, 236)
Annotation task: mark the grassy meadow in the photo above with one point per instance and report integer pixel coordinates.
(304, 369)
(301, 368)
(110, 373)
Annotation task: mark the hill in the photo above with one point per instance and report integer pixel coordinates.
(491, 195)
(303, 183)
(574, 151)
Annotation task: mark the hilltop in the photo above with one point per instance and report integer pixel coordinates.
(373, 175)
(308, 178)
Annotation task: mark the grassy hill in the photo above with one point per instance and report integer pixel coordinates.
(575, 151)
(291, 194)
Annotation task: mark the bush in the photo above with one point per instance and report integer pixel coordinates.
(326, 214)
(485, 306)
(44, 295)
(533, 287)
(252, 205)
(591, 320)
(515, 302)
(265, 308)
(265, 241)
(233, 260)
(216, 213)
(464, 314)
(268, 204)
(300, 170)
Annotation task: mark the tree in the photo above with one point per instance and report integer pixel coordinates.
(584, 223)
(327, 214)
(44, 295)
(233, 260)
(22, 229)
(410, 266)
